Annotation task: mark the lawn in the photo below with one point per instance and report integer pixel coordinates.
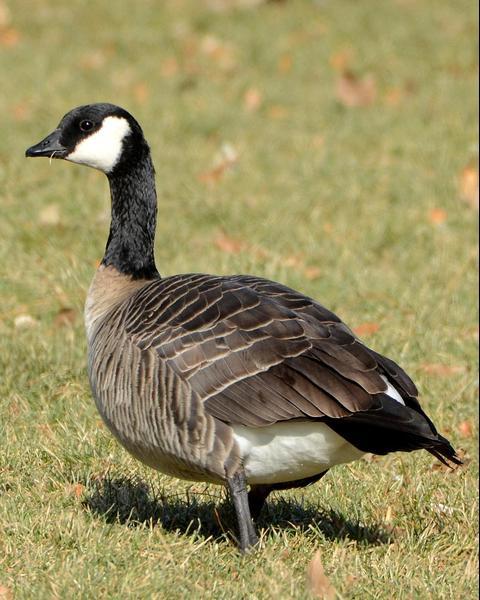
(331, 146)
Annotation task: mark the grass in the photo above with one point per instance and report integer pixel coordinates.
(358, 207)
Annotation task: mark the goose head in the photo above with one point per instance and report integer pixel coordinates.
(103, 136)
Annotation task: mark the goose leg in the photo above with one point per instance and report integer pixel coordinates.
(256, 499)
(237, 486)
(259, 493)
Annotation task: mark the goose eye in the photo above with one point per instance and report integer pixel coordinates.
(86, 125)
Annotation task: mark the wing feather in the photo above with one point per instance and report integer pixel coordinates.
(256, 352)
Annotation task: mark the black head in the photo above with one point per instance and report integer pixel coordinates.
(102, 136)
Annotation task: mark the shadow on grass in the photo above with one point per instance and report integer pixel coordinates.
(134, 503)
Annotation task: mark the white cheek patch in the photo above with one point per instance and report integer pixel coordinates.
(102, 149)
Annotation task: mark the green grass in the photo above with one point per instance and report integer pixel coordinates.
(348, 191)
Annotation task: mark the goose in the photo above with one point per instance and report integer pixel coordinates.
(233, 380)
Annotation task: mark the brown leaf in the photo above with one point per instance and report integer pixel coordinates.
(469, 186)
(341, 60)
(312, 273)
(94, 60)
(366, 329)
(5, 15)
(465, 428)
(285, 63)
(252, 99)
(5, 593)
(224, 161)
(169, 67)
(228, 244)
(45, 429)
(318, 141)
(277, 112)
(220, 52)
(212, 176)
(65, 317)
(394, 96)
(21, 111)
(141, 92)
(294, 260)
(78, 490)
(442, 370)
(352, 91)
(319, 584)
(9, 37)
(229, 5)
(437, 216)
(327, 227)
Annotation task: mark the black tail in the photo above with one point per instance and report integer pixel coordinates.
(445, 452)
(393, 427)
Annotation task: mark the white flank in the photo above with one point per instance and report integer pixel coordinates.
(392, 392)
(289, 451)
(102, 149)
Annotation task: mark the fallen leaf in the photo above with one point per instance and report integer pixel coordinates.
(94, 60)
(469, 186)
(224, 161)
(366, 329)
(64, 317)
(341, 60)
(9, 37)
(294, 260)
(220, 52)
(394, 96)
(319, 584)
(49, 215)
(285, 63)
(327, 227)
(228, 244)
(21, 111)
(24, 322)
(212, 176)
(141, 92)
(465, 428)
(437, 216)
(169, 67)
(442, 370)
(352, 91)
(228, 5)
(5, 593)
(312, 273)
(5, 15)
(45, 429)
(277, 112)
(252, 99)
(318, 141)
(76, 489)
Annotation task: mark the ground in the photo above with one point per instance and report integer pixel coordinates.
(327, 145)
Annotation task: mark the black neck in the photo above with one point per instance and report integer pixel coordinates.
(130, 246)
